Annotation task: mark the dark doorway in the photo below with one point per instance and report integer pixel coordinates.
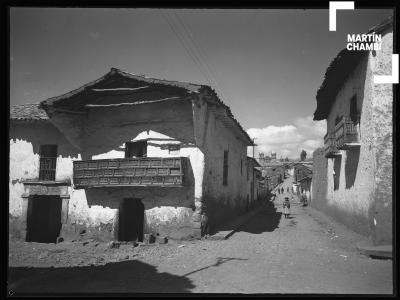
(136, 149)
(351, 166)
(337, 164)
(131, 216)
(43, 219)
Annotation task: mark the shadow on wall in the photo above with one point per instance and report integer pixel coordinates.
(42, 133)
(107, 130)
(121, 277)
(355, 222)
(320, 179)
(352, 158)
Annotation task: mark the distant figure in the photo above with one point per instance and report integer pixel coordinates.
(282, 190)
(292, 190)
(304, 200)
(205, 226)
(286, 207)
(287, 189)
(279, 191)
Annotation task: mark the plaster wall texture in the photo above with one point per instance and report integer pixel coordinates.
(102, 133)
(222, 202)
(25, 141)
(167, 209)
(363, 196)
(164, 207)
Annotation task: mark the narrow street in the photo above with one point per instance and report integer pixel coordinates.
(306, 253)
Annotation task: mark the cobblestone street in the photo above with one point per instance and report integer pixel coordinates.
(306, 253)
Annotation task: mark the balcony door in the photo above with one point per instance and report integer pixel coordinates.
(136, 149)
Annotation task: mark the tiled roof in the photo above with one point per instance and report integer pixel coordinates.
(338, 70)
(255, 162)
(29, 111)
(72, 100)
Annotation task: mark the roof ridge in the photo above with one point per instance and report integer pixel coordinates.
(153, 78)
(353, 58)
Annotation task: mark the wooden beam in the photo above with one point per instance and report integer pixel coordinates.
(120, 89)
(134, 103)
(62, 110)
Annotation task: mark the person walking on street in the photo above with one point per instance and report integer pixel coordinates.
(287, 189)
(286, 207)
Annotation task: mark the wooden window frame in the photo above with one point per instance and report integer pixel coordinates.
(47, 163)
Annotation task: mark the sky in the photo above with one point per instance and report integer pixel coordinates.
(265, 64)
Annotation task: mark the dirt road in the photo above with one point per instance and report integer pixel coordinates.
(306, 253)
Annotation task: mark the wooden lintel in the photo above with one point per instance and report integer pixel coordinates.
(149, 122)
(62, 110)
(134, 103)
(120, 89)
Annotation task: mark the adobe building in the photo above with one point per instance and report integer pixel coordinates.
(302, 179)
(352, 174)
(274, 174)
(122, 156)
(256, 188)
(265, 159)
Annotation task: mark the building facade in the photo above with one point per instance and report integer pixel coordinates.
(303, 179)
(256, 186)
(122, 156)
(352, 174)
(265, 159)
(274, 174)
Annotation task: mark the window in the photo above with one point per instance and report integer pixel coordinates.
(48, 161)
(136, 149)
(174, 149)
(225, 170)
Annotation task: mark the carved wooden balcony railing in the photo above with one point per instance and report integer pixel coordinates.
(347, 133)
(154, 171)
(330, 146)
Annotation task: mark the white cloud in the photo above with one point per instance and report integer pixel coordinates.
(289, 140)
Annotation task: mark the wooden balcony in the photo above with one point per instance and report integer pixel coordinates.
(347, 133)
(129, 172)
(330, 146)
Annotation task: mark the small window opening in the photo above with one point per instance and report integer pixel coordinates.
(136, 149)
